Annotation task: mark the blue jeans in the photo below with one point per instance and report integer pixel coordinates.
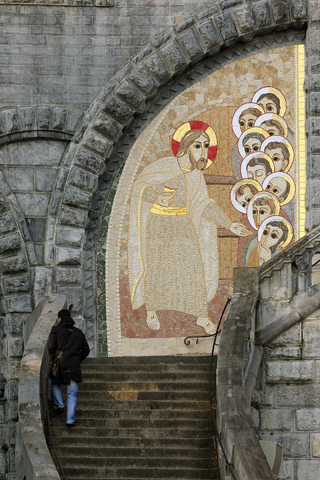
(72, 390)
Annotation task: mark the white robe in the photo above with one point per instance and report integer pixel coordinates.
(197, 200)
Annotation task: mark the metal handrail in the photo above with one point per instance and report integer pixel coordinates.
(215, 334)
(46, 395)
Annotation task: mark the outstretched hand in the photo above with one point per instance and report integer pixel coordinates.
(238, 229)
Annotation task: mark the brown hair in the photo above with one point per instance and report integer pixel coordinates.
(260, 202)
(285, 232)
(283, 147)
(258, 161)
(240, 190)
(274, 123)
(252, 110)
(273, 98)
(188, 138)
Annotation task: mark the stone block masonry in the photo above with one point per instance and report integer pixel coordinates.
(289, 400)
(63, 54)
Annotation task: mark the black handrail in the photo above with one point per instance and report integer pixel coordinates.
(216, 433)
(46, 395)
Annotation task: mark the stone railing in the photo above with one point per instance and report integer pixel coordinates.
(267, 301)
(287, 295)
(238, 363)
(33, 457)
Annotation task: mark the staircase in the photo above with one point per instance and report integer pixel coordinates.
(140, 418)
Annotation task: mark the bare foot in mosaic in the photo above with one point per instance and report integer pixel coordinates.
(152, 320)
(205, 323)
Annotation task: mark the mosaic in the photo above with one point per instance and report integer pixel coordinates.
(209, 185)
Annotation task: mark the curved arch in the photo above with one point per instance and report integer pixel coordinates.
(38, 121)
(137, 88)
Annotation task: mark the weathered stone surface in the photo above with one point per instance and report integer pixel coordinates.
(68, 256)
(3, 205)
(314, 103)
(209, 36)
(191, 44)
(311, 340)
(28, 118)
(308, 469)
(283, 352)
(226, 28)
(59, 115)
(7, 224)
(118, 110)
(83, 180)
(76, 198)
(80, 131)
(55, 202)
(142, 80)
(33, 204)
(19, 304)
(314, 200)
(76, 218)
(308, 419)
(294, 371)
(36, 227)
(72, 237)
(157, 68)
(276, 419)
(130, 95)
(107, 128)
(16, 264)
(43, 280)
(17, 284)
(10, 120)
(99, 145)
(68, 275)
(280, 11)
(14, 323)
(45, 179)
(43, 117)
(14, 346)
(262, 14)
(244, 19)
(298, 9)
(173, 56)
(293, 395)
(73, 118)
(315, 445)
(74, 295)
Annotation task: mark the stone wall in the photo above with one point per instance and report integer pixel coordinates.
(288, 398)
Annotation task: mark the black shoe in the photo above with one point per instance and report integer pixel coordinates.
(70, 425)
(59, 410)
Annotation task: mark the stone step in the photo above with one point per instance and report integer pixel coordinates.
(137, 473)
(145, 386)
(120, 452)
(143, 395)
(169, 359)
(144, 462)
(76, 441)
(169, 368)
(137, 424)
(120, 413)
(108, 403)
(101, 376)
(181, 432)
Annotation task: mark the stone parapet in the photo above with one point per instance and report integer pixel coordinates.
(32, 450)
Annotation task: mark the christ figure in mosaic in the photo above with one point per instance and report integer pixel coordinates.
(172, 248)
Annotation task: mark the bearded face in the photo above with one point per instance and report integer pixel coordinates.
(198, 153)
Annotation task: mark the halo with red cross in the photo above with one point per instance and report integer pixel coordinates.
(195, 125)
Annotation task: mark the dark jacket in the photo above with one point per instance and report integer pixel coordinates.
(76, 350)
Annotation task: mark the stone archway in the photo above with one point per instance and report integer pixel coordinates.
(153, 76)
